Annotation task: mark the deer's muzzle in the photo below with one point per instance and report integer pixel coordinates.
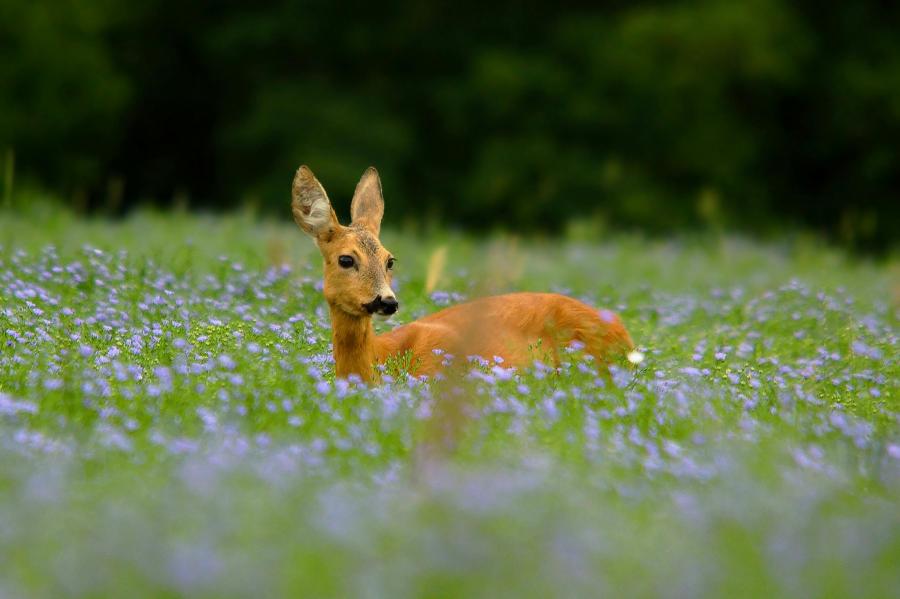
(386, 306)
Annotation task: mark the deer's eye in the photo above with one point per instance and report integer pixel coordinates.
(390, 264)
(346, 261)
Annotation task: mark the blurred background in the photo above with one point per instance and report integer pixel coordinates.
(755, 115)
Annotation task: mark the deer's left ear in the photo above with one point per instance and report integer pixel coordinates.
(310, 206)
(367, 207)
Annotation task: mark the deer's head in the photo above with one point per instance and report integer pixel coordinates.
(357, 267)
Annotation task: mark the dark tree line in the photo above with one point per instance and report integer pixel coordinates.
(657, 115)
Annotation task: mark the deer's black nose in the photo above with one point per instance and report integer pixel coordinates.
(389, 305)
(385, 306)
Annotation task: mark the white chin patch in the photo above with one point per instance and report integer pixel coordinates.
(382, 317)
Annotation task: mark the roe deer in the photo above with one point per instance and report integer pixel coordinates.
(358, 274)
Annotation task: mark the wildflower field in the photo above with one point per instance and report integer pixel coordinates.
(170, 424)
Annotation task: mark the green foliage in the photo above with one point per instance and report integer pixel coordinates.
(62, 99)
(657, 115)
(170, 424)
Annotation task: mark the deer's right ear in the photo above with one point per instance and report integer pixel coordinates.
(309, 203)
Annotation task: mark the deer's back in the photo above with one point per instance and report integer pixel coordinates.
(517, 327)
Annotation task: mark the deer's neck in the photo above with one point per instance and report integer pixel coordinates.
(354, 344)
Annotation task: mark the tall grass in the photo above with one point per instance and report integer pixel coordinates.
(170, 424)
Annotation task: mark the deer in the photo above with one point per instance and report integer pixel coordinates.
(514, 329)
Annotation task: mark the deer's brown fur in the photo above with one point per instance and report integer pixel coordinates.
(516, 327)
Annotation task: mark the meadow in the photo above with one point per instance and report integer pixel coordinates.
(170, 424)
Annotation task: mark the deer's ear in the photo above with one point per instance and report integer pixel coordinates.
(367, 206)
(309, 203)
